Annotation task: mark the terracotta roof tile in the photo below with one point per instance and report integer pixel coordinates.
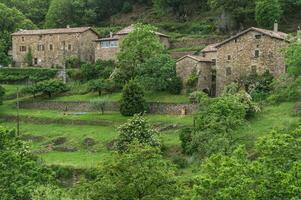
(53, 31)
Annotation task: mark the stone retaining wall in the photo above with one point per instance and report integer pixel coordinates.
(153, 107)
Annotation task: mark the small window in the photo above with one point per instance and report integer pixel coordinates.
(254, 69)
(214, 60)
(22, 48)
(113, 44)
(41, 47)
(204, 55)
(105, 44)
(256, 53)
(35, 61)
(69, 47)
(257, 45)
(50, 47)
(23, 39)
(235, 40)
(229, 57)
(228, 71)
(40, 37)
(258, 36)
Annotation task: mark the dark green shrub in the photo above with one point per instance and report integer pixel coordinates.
(73, 62)
(186, 138)
(132, 101)
(2, 93)
(175, 85)
(101, 69)
(75, 75)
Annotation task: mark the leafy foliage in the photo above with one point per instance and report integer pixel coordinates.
(140, 173)
(101, 69)
(267, 11)
(132, 101)
(21, 172)
(137, 47)
(293, 59)
(136, 130)
(50, 87)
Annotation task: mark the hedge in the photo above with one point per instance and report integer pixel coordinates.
(8, 75)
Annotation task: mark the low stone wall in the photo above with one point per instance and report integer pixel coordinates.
(153, 107)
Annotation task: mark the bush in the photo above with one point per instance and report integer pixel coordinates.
(192, 80)
(99, 105)
(100, 70)
(132, 101)
(136, 130)
(175, 85)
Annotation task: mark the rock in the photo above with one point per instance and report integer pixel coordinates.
(89, 142)
(59, 141)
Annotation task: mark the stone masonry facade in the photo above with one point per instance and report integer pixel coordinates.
(251, 51)
(51, 47)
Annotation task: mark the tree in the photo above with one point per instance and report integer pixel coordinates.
(14, 20)
(140, 173)
(97, 86)
(59, 14)
(273, 174)
(157, 74)
(267, 11)
(99, 105)
(51, 87)
(21, 172)
(136, 48)
(132, 101)
(293, 59)
(214, 125)
(137, 130)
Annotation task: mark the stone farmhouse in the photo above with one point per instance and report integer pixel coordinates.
(107, 48)
(51, 47)
(254, 50)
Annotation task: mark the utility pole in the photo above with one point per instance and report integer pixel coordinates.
(18, 116)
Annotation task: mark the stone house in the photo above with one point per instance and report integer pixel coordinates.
(203, 68)
(107, 48)
(51, 47)
(254, 50)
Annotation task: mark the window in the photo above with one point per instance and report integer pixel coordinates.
(257, 45)
(204, 55)
(40, 37)
(69, 47)
(254, 69)
(23, 39)
(35, 61)
(22, 48)
(114, 44)
(228, 71)
(235, 40)
(50, 47)
(256, 53)
(229, 57)
(214, 60)
(258, 36)
(41, 47)
(109, 44)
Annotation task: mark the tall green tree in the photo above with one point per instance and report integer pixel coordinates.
(59, 14)
(136, 48)
(267, 11)
(293, 59)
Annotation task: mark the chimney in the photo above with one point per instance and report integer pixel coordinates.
(68, 26)
(111, 34)
(299, 34)
(276, 26)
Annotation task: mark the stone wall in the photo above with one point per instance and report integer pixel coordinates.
(154, 108)
(238, 57)
(185, 68)
(81, 44)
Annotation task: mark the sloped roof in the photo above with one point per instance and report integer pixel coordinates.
(196, 58)
(130, 28)
(210, 48)
(54, 31)
(107, 39)
(277, 35)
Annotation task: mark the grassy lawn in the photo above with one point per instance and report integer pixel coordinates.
(271, 118)
(115, 97)
(115, 117)
(11, 90)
